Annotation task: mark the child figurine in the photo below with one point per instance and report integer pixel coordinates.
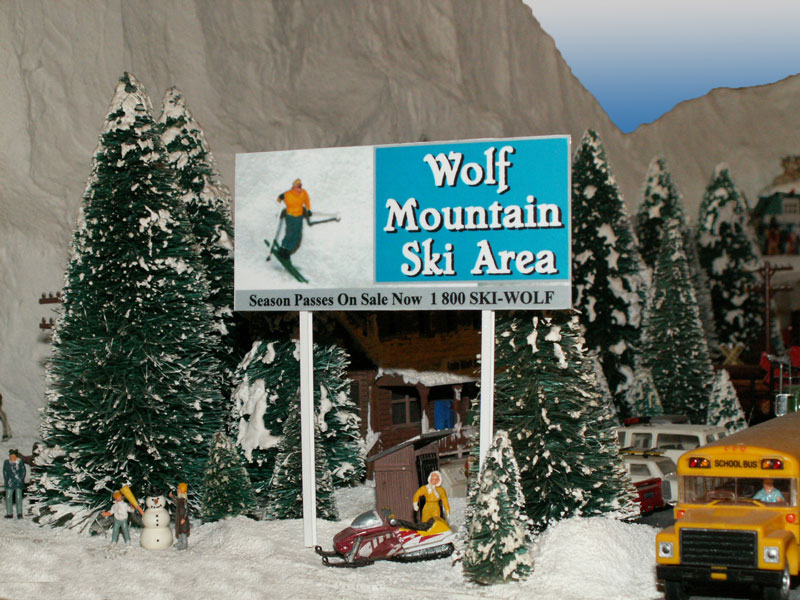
(432, 493)
(120, 510)
(181, 517)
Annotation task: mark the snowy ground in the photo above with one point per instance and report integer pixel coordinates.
(578, 559)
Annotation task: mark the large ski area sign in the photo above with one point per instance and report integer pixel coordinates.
(479, 224)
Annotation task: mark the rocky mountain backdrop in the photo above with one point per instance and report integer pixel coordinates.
(280, 74)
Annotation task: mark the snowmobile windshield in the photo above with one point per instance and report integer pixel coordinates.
(368, 519)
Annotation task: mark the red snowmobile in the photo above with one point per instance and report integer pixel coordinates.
(379, 535)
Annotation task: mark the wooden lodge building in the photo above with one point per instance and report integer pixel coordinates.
(415, 372)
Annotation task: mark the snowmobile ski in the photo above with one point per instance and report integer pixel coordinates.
(286, 263)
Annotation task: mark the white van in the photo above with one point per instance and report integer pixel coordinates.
(671, 439)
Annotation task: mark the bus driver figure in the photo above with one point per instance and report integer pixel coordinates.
(769, 493)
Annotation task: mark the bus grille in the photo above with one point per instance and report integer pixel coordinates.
(719, 547)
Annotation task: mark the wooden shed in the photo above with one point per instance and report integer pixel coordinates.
(400, 470)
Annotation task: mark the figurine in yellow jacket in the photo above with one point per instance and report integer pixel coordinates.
(433, 492)
(298, 205)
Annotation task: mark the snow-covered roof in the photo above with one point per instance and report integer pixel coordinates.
(426, 378)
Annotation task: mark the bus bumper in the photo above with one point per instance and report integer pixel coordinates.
(706, 574)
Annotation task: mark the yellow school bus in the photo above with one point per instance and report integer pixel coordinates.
(737, 517)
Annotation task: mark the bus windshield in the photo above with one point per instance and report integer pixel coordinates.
(739, 490)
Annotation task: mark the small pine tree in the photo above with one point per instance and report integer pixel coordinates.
(642, 397)
(285, 490)
(226, 484)
(266, 377)
(660, 201)
(560, 423)
(724, 409)
(674, 342)
(609, 286)
(495, 549)
(729, 255)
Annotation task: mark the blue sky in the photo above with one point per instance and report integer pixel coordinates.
(640, 58)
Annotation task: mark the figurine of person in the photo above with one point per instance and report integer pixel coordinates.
(120, 509)
(14, 481)
(433, 493)
(769, 493)
(298, 205)
(182, 517)
(4, 419)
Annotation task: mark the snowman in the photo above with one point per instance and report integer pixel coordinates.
(156, 533)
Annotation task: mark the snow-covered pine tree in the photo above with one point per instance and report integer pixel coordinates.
(674, 344)
(226, 484)
(660, 201)
(561, 425)
(729, 255)
(642, 397)
(724, 409)
(285, 489)
(208, 206)
(496, 543)
(702, 290)
(268, 376)
(133, 381)
(608, 283)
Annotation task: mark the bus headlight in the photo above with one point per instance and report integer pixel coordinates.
(665, 550)
(772, 554)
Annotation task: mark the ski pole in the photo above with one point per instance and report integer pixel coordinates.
(277, 233)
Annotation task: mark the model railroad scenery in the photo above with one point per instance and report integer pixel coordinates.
(426, 321)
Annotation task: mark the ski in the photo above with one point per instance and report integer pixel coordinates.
(286, 263)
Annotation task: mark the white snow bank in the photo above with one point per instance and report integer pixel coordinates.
(579, 559)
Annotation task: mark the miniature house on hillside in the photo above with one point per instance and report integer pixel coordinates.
(776, 217)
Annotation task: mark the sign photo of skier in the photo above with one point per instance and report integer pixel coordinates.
(304, 217)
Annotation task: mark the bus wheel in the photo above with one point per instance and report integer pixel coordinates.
(675, 590)
(780, 592)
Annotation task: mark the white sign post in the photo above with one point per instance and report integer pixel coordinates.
(307, 428)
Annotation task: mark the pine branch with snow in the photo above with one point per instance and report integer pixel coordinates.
(724, 408)
(608, 275)
(267, 377)
(661, 201)
(285, 489)
(729, 255)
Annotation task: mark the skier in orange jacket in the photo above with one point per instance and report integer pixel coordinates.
(298, 206)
